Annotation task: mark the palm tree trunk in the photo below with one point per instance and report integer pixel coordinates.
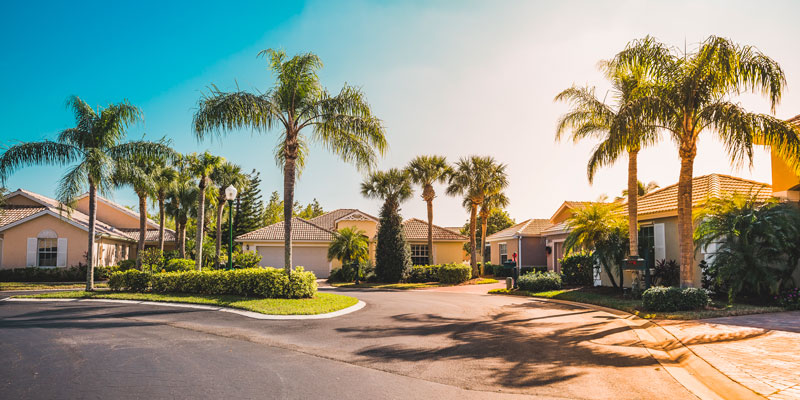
(430, 232)
(484, 222)
(288, 203)
(201, 217)
(473, 258)
(182, 233)
(161, 220)
(633, 203)
(142, 229)
(685, 225)
(92, 228)
(220, 211)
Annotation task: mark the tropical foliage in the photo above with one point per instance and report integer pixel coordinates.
(425, 171)
(599, 228)
(351, 247)
(392, 253)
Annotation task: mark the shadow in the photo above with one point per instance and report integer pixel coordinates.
(83, 316)
(510, 349)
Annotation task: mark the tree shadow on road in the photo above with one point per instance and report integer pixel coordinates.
(84, 317)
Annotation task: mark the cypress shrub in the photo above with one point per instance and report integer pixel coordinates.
(392, 254)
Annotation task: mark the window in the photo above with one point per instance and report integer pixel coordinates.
(503, 251)
(48, 252)
(419, 254)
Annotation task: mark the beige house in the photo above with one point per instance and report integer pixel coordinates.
(37, 231)
(310, 240)
(557, 232)
(524, 240)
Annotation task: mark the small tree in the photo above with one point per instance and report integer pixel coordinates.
(599, 228)
(351, 247)
(392, 254)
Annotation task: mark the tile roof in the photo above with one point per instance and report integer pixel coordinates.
(794, 120)
(556, 229)
(151, 235)
(119, 207)
(328, 220)
(529, 227)
(703, 187)
(10, 214)
(456, 229)
(302, 230)
(417, 229)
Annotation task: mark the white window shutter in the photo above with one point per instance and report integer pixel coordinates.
(61, 259)
(32, 252)
(659, 245)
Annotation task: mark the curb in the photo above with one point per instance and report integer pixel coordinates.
(245, 313)
(684, 365)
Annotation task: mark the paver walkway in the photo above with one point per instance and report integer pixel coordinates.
(761, 352)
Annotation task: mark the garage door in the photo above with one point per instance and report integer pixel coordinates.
(314, 259)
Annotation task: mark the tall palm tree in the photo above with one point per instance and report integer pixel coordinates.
(392, 186)
(165, 177)
(591, 117)
(425, 171)
(202, 166)
(492, 202)
(691, 94)
(140, 175)
(475, 178)
(95, 144)
(225, 175)
(181, 199)
(343, 123)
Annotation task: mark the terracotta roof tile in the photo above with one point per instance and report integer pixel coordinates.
(151, 235)
(302, 230)
(12, 214)
(417, 229)
(529, 227)
(328, 220)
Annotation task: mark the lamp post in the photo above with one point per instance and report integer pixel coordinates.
(230, 195)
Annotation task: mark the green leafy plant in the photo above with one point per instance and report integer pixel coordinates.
(666, 273)
(424, 273)
(660, 298)
(153, 258)
(598, 227)
(179, 264)
(392, 253)
(790, 299)
(247, 259)
(577, 269)
(454, 273)
(539, 282)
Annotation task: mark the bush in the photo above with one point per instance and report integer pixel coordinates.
(424, 273)
(71, 274)
(179, 264)
(248, 259)
(153, 257)
(790, 299)
(392, 253)
(539, 282)
(255, 282)
(125, 265)
(577, 269)
(454, 273)
(666, 273)
(660, 298)
(503, 271)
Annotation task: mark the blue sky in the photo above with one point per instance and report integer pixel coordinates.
(454, 78)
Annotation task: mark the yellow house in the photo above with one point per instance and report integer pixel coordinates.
(785, 181)
(310, 240)
(37, 231)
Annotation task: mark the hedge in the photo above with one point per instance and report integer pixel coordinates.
(501, 271)
(59, 274)
(454, 273)
(424, 273)
(539, 282)
(249, 282)
(576, 269)
(660, 298)
(179, 264)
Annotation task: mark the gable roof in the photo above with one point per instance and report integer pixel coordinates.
(329, 219)
(151, 235)
(120, 207)
(529, 227)
(703, 188)
(569, 205)
(417, 229)
(302, 230)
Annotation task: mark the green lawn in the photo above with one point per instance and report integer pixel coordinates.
(47, 285)
(604, 297)
(407, 286)
(320, 304)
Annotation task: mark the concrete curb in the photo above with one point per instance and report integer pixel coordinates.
(245, 313)
(683, 364)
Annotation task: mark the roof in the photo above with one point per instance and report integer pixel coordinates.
(302, 230)
(417, 229)
(119, 207)
(556, 229)
(703, 188)
(456, 229)
(570, 205)
(794, 120)
(151, 235)
(328, 220)
(11, 214)
(529, 227)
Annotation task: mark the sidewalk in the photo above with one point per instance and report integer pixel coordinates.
(761, 352)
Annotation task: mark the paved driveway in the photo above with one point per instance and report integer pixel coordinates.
(413, 344)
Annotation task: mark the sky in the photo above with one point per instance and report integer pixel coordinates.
(454, 78)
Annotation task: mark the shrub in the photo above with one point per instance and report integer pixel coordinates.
(125, 265)
(576, 269)
(454, 273)
(790, 299)
(255, 282)
(539, 282)
(660, 298)
(70, 274)
(179, 264)
(392, 253)
(248, 259)
(666, 273)
(424, 273)
(503, 271)
(153, 257)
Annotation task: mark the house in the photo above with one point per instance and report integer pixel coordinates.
(785, 181)
(37, 231)
(555, 235)
(523, 239)
(310, 240)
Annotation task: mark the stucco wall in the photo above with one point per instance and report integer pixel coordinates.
(512, 247)
(551, 256)
(533, 252)
(370, 227)
(20, 200)
(448, 252)
(110, 215)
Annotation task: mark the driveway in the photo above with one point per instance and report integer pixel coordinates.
(403, 344)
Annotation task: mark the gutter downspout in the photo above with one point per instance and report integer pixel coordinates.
(519, 252)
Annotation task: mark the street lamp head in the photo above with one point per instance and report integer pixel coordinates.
(230, 193)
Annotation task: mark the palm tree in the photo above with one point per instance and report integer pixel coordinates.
(343, 123)
(492, 202)
(476, 178)
(140, 175)
(95, 143)
(165, 178)
(225, 175)
(350, 246)
(202, 166)
(592, 117)
(424, 171)
(392, 186)
(691, 94)
(181, 199)
(601, 228)
(641, 190)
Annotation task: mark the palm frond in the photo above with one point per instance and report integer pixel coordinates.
(37, 153)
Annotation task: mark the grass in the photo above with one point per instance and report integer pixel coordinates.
(320, 304)
(407, 286)
(46, 285)
(606, 297)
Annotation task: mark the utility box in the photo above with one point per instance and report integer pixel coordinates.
(509, 283)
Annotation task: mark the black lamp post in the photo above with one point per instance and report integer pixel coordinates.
(230, 195)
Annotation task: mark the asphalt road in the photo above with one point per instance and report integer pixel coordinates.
(420, 344)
